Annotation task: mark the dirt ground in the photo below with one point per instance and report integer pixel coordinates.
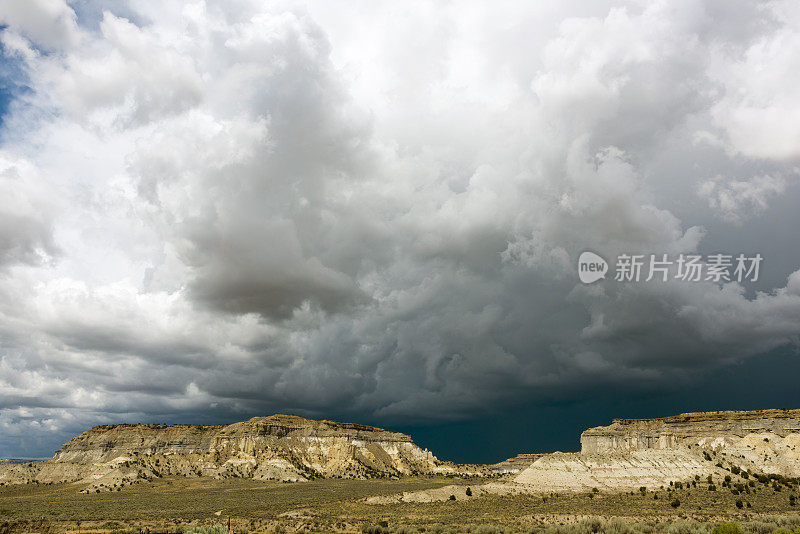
(171, 504)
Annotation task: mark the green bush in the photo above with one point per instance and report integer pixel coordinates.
(216, 529)
(592, 525)
(727, 528)
(687, 527)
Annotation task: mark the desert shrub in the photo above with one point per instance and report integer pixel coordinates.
(216, 529)
(489, 529)
(791, 522)
(593, 525)
(761, 527)
(617, 526)
(739, 504)
(649, 527)
(583, 527)
(675, 503)
(469, 492)
(687, 527)
(727, 528)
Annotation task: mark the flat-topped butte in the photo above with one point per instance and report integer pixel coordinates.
(276, 447)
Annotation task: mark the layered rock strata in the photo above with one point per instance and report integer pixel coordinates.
(279, 447)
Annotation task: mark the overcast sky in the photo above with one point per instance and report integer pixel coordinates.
(373, 211)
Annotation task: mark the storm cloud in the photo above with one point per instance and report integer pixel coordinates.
(215, 209)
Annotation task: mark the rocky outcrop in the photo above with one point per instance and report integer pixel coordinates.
(631, 453)
(615, 472)
(515, 464)
(762, 441)
(280, 447)
(704, 429)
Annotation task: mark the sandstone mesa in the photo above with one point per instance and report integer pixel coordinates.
(625, 455)
(279, 447)
(651, 453)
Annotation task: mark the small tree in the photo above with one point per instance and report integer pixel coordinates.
(675, 503)
(469, 492)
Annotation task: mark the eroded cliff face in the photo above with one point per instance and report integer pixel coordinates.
(705, 429)
(280, 447)
(515, 464)
(107, 442)
(631, 453)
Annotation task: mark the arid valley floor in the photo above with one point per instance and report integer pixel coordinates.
(170, 503)
(682, 475)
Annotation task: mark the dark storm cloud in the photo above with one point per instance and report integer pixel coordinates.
(377, 213)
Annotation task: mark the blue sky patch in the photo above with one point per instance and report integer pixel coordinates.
(13, 81)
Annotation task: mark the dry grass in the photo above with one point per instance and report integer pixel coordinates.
(337, 505)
